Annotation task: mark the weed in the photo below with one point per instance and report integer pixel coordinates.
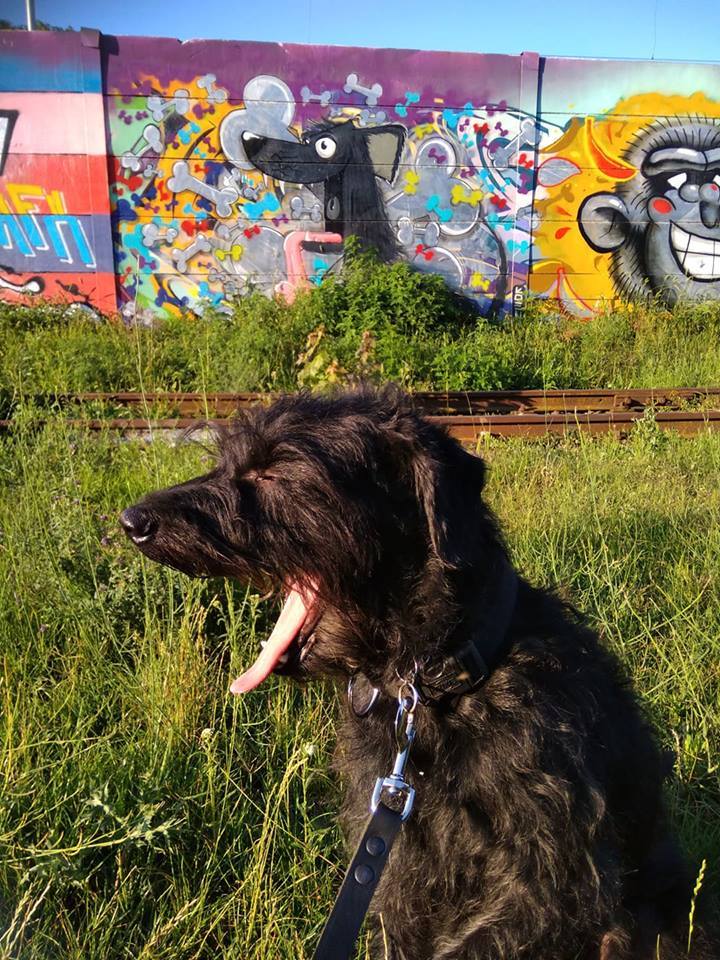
(373, 322)
(696, 890)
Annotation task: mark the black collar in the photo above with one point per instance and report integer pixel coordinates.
(471, 662)
(443, 678)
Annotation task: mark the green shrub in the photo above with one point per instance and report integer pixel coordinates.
(373, 322)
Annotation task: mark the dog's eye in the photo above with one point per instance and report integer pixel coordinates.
(258, 477)
(678, 180)
(325, 147)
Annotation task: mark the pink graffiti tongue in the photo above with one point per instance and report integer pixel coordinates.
(295, 612)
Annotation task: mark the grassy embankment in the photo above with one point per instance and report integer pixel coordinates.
(380, 323)
(144, 813)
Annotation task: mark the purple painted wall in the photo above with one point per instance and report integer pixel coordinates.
(223, 166)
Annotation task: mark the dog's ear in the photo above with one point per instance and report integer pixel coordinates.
(385, 145)
(448, 483)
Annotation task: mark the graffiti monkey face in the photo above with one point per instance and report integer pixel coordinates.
(685, 210)
(663, 225)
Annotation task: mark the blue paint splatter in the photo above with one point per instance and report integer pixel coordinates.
(269, 202)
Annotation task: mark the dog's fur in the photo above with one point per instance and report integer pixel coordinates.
(539, 829)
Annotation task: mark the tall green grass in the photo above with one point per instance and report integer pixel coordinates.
(144, 813)
(376, 322)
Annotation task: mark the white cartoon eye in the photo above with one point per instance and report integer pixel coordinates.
(325, 147)
(716, 179)
(678, 180)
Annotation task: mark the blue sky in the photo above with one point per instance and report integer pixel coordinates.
(667, 29)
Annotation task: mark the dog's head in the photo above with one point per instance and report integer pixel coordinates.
(325, 150)
(365, 517)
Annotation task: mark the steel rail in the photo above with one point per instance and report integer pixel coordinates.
(187, 404)
(465, 428)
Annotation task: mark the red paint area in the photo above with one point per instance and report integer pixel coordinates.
(97, 289)
(611, 166)
(82, 181)
(662, 205)
(559, 234)
(122, 179)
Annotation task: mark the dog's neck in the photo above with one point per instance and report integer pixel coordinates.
(462, 645)
(334, 208)
(478, 645)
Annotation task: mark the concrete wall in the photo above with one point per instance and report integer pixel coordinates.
(153, 174)
(55, 235)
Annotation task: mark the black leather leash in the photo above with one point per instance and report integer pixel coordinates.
(440, 680)
(363, 875)
(353, 901)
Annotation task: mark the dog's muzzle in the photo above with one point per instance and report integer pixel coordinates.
(138, 524)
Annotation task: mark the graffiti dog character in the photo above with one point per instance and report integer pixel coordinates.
(663, 226)
(346, 160)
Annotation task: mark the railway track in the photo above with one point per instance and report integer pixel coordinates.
(468, 415)
(439, 403)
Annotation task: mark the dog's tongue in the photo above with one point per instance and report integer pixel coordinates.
(294, 614)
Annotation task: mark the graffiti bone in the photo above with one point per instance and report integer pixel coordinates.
(152, 234)
(153, 141)
(200, 244)
(299, 210)
(182, 179)
(160, 107)
(216, 95)
(33, 285)
(234, 179)
(527, 136)
(370, 117)
(408, 232)
(371, 94)
(323, 98)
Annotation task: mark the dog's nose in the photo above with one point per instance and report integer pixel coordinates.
(252, 142)
(137, 524)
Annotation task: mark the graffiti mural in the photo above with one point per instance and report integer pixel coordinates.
(181, 175)
(7, 122)
(212, 198)
(35, 225)
(642, 194)
(663, 225)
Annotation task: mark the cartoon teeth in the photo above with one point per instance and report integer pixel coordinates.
(698, 256)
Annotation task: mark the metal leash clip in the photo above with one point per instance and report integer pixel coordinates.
(395, 783)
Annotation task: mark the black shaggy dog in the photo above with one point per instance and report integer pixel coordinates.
(538, 829)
